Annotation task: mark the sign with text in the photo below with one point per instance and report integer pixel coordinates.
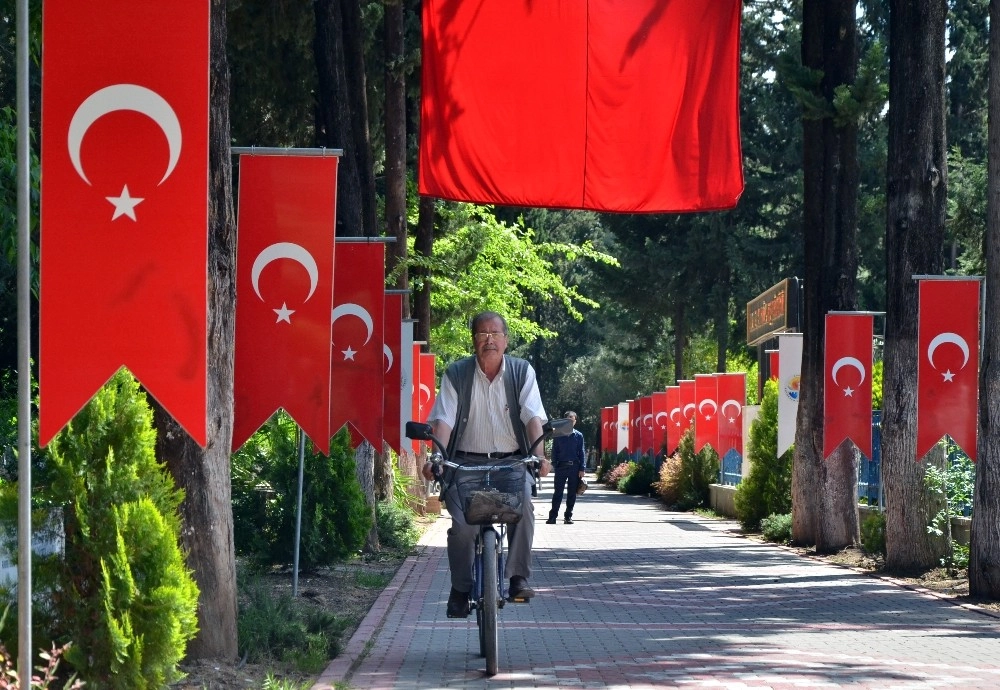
(773, 311)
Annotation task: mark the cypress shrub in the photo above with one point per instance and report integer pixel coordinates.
(698, 471)
(122, 592)
(640, 479)
(767, 488)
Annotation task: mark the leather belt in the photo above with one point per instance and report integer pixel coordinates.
(486, 456)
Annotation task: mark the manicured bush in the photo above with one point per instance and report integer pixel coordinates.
(873, 534)
(777, 528)
(668, 487)
(698, 471)
(121, 591)
(767, 488)
(608, 462)
(617, 473)
(640, 480)
(335, 515)
(396, 528)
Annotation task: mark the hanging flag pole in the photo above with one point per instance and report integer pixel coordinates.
(23, 351)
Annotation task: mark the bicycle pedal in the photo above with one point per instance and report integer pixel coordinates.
(519, 600)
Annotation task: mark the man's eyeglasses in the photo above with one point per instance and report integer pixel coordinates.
(483, 337)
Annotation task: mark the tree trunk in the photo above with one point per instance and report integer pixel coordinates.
(424, 246)
(203, 474)
(984, 546)
(679, 339)
(357, 96)
(395, 144)
(823, 492)
(364, 462)
(914, 245)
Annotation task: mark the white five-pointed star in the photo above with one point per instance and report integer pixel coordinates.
(948, 376)
(732, 420)
(849, 392)
(349, 353)
(284, 314)
(124, 204)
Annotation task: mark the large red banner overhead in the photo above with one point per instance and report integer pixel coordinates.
(675, 418)
(732, 398)
(706, 428)
(392, 377)
(847, 393)
(660, 421)
(948, 369)
(124, 207)
(592, 104)
(357, 356)
(284, 293)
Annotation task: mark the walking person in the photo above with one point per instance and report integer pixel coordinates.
(488, 408)
(568, 460)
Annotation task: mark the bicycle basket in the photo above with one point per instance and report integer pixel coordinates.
(493, 493)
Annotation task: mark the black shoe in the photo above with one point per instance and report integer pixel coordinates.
(458, 604)
(550, 521)
(568, 521)
(519, 588)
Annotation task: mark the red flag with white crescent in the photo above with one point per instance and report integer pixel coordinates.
(392, 378)
(948, 369)
(633, 426)
(415, 394)
(609, 429)
(706, 428)
(675, 418)
(357, 355)
(284, 293)
(124, 207)
(732, 398)
(660, 421)
(428, 384)
(688, 407)
(847, 393)
(645, 424)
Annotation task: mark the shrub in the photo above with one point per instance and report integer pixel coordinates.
(640, 480)
(122, 591)
(668, 488)
(617, 473)
(608, 462)
(396, 529)
(873, 534)
(767, 488)
(335, 515)
(698, 471)
(777, 528)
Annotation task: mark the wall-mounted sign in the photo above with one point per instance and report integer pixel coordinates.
(774, 311)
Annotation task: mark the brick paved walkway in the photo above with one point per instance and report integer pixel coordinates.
(633, 596)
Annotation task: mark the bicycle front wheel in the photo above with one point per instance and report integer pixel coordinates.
(491, 583)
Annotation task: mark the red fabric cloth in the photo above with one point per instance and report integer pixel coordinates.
(284, 293)
(688, 405)
(706, 426)
(948, 369)
(428, 384)
(594, 104)
(732, 398)
(660, 422)
(675, 418)
(358, 360)
(847, 392)
(646, 424)
(124, 209)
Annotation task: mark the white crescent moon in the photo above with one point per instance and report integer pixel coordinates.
(674, 411)
(352, 309)
(425, 389)
(388, 354)
(285, 250)
(701, 406)
(954, 339)
(647, 421)
(689, 406)
(124, 97)
(734, 403)
(658, 415)
(850, 362)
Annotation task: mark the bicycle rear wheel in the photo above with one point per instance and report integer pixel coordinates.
(488, 626)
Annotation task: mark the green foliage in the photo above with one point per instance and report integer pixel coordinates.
(878, 369)
(122, 591)
(608, 462)
(668, 487)
(777, 528)
(640, 480)
(335, 515)
(698, 471)
(285, 629)
(873, 534)
(396, 528)
(956, 484)
(767, 488)
(617, 473)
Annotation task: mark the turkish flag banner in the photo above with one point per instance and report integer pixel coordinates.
(124, 205)
(392, 377)
(428, 384)
(634, 432)
(415, 393)
(646, 424)
(948, 369)
(634, 106)
(688, 405)
(732, 398)
(659, 421)
(847, 392)
(675, 418)
(358, 360)
(706, 428)
(609, 436)
(284, 293)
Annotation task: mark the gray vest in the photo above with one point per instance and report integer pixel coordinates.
(461, 374)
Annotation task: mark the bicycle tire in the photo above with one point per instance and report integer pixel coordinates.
(491, 583)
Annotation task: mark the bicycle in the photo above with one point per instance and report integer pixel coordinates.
(492, 496)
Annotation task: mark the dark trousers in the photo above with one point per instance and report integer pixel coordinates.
(564, 475)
